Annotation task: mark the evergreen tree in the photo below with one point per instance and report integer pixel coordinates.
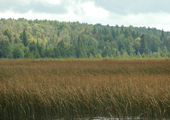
(25, 39)
(113, 33)
(79, 40)
(162, 35)
(78, 51)
(94, 30)
(143, 42)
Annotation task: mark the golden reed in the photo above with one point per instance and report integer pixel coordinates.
(77, 89)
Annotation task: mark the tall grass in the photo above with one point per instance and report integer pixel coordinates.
(78, 89)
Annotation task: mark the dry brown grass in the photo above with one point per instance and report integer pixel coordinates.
(66, 89)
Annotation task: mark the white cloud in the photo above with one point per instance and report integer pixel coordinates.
(23, 2)
(91, 10)
(159, 20)
(88, 12)
(51, 2)
(125, 7)
(54, 2)
(70, 16)
(29, 15)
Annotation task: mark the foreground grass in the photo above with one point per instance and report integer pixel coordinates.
(76, 89)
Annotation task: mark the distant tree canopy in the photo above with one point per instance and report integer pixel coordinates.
(42, 38)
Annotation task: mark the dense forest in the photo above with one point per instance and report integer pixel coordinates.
(53, 39)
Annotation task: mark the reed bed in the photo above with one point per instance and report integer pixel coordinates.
(77, 89)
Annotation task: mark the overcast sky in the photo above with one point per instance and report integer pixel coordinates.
(152, 13)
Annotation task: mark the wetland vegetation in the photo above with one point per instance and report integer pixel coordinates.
(31, 89)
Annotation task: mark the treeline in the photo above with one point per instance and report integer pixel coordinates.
(41, 38)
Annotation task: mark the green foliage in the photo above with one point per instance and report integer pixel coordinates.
(94, 30)
(105, 31)
(128, 45)
(166, 42)
(28, 54)
(91, 56)
(17, 52)
(120, 40)
(113, 33)
(6, 49)
(61, 46)
(36, 54)
(32, 47)
(162, 35)
(139, 55)
(25, 39)
(57, 53)
(154, 44)
(8, 33)
(143, 42)
(106, 52)
(98, 56)
(137, 45)
(165, 52)
(55, 39)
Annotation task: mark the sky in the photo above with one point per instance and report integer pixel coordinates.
(140, 13)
